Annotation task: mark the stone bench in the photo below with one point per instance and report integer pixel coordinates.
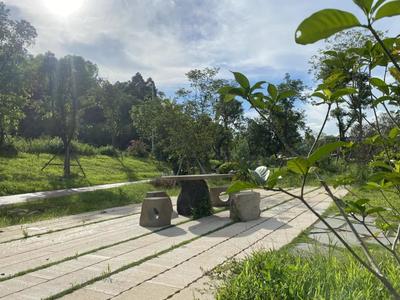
(215, 196)
(156, 210)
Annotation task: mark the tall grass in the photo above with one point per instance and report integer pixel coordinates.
(287, 275)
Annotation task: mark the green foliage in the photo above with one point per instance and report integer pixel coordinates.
(389, 9)
(227, 167)
(16, 37)
(323, 24)
(288, 274)
(138, 149)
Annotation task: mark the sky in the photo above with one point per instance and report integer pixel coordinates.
(164, 39)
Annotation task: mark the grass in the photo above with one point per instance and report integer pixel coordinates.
(22, 174)
(45, 209)
(74, 204)
(285, 274)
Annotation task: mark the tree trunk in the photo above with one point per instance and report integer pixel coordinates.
(2, 135)
(67, 158)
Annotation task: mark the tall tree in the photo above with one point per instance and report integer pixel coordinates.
(15, 37)
(74, 80)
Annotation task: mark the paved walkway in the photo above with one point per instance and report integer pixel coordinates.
(20, 198)
(107, 255)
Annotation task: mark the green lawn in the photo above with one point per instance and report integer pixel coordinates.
(75, 204)
(79, 203)
(23, 173)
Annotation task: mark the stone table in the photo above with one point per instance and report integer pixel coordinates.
(194, 197)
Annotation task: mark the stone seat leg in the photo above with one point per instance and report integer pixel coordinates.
(215, 196)
(156, 212)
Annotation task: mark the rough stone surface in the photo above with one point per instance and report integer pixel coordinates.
(156, 212)
(194, 195)
(245, 206)
(215, 195)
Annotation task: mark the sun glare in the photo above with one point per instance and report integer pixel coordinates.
(63, 7)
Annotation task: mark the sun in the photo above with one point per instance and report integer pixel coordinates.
(63, 7)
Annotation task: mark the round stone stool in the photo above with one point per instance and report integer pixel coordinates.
(156, 212)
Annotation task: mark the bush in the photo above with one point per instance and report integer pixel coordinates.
(288, 275)
(39, 145)
(54, 145)
(108, 150)
(138, 148)
(8, 150)
(214, 164)
(227, 167)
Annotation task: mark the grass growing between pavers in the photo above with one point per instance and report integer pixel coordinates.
(51, 208)
(216, 210)
(131, 265)
(22, 174)
(136, 263)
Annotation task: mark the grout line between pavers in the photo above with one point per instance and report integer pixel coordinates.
(133, 264)
(215, 245)
(18, 274)
(236, 254)
(77, 226)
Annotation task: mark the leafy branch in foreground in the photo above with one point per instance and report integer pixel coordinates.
(334, 91)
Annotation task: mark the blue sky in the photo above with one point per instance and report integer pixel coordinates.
(164, 39)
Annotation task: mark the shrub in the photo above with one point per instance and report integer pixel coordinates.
(108, 150)
(287, 275)
(214, 164)
(54, 145)
(138, 148)
(8, 150)
(227, 167)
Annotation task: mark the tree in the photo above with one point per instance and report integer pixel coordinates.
(340, 59)
(73, 80)
(15, 37)
(202, 100)
(115, 103)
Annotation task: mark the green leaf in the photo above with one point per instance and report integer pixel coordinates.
(320, 95)
(325, 150)
(365, 5)
(238, 186)
(323, 24)
(237, 92)
(242, 80)
(375, 210)
(381, 164)
(377, 5)
(257, 85)
(299, 165)
(273, 91)
(394, 132)
(380, 84)
(286, 94)
(389, 9)
(275, 176)
(343, 92)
